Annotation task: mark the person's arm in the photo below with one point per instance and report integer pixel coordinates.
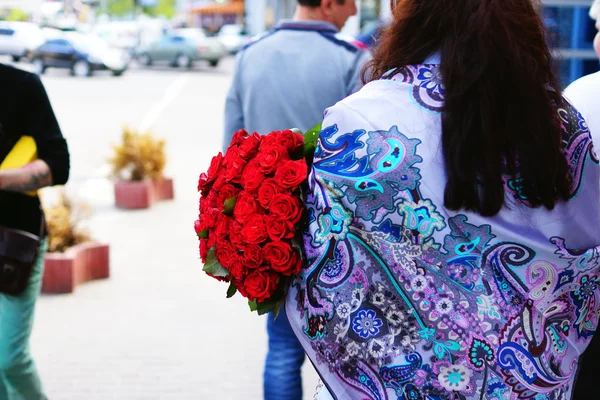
(234, 113)
(33, 176)
(53, 165)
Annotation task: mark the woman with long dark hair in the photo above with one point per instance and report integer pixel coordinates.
(454, 213)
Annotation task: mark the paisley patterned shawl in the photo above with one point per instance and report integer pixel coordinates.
(403, 299)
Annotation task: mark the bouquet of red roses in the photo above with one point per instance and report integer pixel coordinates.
(251, 210)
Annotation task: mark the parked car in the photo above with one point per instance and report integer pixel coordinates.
(18, 39)
(181, 48)
(82, 54)
(233, 37)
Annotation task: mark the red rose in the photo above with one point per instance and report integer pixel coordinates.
(203, 205)
(291, 174)
(286, 207)
(204, 250)
(234, 170)
(226, 254)
(290, 140)
(210, 201)
(215, 167)
(279, 229)
(255, 230)
(212, 216)
(283, 258)
(266, 191)
(245, 207)
(225, 193)
(207, 220)
(252, 176)
(206, 179)
(203, 183)
(223, 228)
(268, 140)
(238, 138)
(235, 235)
(219, 183)
(270, 158)
(212, 240)
(207, 205)
(249, 148)
(233, 164)
(238, 270)
(260, 285)
(253, 256)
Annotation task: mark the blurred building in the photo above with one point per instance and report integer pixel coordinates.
(212, 15)
(261, 15)
(256, 15)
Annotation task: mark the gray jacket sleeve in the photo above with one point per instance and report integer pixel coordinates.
(355, 83)
(234, 114)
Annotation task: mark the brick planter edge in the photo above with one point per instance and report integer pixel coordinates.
(63, 272)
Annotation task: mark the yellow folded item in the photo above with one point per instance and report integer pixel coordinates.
(23, 153)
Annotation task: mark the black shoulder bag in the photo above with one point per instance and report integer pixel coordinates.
(19, 250)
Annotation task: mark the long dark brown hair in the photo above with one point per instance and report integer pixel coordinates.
(499, 119)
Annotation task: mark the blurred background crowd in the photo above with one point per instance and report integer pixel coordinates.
(110, 34)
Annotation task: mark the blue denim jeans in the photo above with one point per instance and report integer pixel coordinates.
(282, 377)
(19, 379)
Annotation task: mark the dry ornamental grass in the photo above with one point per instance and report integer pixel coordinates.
(138, 157)
(64, 220)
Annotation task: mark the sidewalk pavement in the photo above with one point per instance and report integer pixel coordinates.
(158, 328)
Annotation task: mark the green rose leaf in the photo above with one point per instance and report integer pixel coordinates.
(265, 308)
(230, 205)
(277, 309)
(253, 305)
(203, 234)
(311, 139)
(312, 135)
(273, 304)
(213, 267)
(232, 290)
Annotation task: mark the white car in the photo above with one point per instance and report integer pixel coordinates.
(113, 58)
(18, 39)
(233, 37)
(82, 54)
